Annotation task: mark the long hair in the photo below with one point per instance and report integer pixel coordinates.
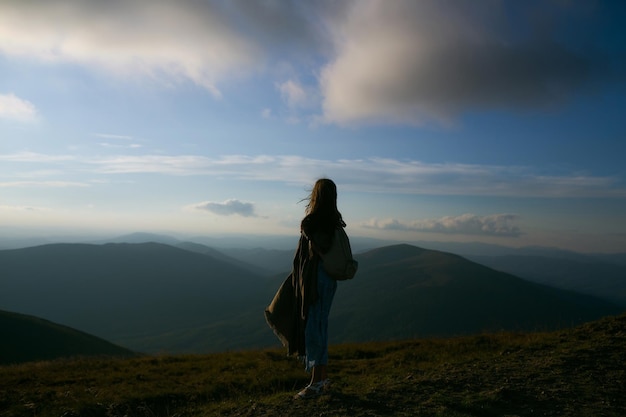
(323, 203)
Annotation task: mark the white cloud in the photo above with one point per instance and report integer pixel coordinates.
(294, 94)
(7, 208)
(299, 99)
(120, 146)
(34, 157)
(15, 108)
(42, 184)
(110, 136)
(227, 208)
(157, 164)
(375, 175)
(466, 224)
(118, 138)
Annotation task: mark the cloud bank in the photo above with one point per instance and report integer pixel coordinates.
(374, 175)
(502, 225)
(364, 61)
(227, 208)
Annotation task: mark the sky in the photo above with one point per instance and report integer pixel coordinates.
(490, 121)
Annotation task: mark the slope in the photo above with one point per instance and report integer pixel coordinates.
(27, 338)
(569, 373)
(403, 291)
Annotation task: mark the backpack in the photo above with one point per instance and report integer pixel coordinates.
(338, 261)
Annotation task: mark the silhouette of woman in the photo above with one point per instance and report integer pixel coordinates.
(299, 311)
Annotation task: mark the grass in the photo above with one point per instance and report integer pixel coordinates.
(576, 372)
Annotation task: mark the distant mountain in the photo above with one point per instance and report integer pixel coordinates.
(152, 297)
(27, 338)
(616, 258)
(239, 262)
(124, 292)
(247, 241)
(273, 261)
(143, 237)
(403, 291)
(602, 275)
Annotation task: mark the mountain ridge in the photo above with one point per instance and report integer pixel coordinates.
(446, 294)
(119, 289)
(154, 297)
(587, 275)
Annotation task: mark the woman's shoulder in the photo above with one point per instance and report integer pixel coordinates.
(320, 231)
(316, 223)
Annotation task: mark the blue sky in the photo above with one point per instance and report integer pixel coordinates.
(492, 121)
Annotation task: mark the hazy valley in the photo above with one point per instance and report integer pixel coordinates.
(189, 297)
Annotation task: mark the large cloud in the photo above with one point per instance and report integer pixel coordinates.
(164, 39)
(360, 61)
(419, 61)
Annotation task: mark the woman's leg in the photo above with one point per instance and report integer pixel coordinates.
(319, 373)
(316, 334)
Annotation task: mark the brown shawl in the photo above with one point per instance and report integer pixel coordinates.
(286, 314)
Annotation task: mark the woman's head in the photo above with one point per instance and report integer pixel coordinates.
(321, 211)
(323, 198)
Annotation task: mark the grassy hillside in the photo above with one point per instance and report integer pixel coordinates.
(27, 338)
(577, 372)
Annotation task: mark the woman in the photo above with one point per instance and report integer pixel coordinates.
(318, 227)
(299, 312)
